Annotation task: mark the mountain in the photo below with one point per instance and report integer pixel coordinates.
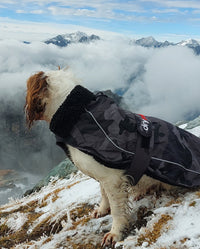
(191, 43)
(150, 42)
(77, 37)
(59, 216)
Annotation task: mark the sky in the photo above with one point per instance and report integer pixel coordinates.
(172, 20)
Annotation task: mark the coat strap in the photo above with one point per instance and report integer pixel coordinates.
(141, 158)
(61, 143)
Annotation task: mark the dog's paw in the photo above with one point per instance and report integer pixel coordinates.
(100, 213)
(110, 239)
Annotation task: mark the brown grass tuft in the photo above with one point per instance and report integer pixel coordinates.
(152, 236)
(81, 215)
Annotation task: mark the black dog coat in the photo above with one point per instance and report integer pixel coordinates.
(119, 139)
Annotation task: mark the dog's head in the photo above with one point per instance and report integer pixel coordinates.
(45, 93)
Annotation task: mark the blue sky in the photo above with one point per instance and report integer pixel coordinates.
(162, 19)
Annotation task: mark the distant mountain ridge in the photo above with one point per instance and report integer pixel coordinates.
(152, 42)
(77, 37)
(149, 42)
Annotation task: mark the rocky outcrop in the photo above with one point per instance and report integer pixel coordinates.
(62, 170)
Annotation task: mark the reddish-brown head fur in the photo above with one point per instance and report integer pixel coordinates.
(36, 90)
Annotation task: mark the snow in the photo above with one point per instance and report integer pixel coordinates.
(78, 193)
(192, 127)
(195, 131)
(189, 42)
(186, 221)
(79, 189)
(15, 221)
(62, 212)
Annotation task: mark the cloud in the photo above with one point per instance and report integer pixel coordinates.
(170, 86)
(160, 82)
(99, 65)
(103, 13)
(165, 11)
(109, 10)
(150, 17)
(139, 11)
(39, 31)
(97, 8)
(176, 4)
(54, 10)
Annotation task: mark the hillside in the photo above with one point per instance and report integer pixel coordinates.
(59, 216)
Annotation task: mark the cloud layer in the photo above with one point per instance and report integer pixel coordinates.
(170, 85)
(161, 82)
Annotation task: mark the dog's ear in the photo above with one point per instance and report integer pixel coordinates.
(37, 91)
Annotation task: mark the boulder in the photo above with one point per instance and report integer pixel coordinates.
(62, 170)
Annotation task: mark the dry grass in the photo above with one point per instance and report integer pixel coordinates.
(54, 195)
(193, 204)
(9, 239)
(173, 202)
(152, 236)
(34, 228)
(71, 185)
(85, 246)
(46, 227)
(198, 194)
(81, 215)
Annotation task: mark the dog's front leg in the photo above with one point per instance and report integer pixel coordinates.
(104, 207)
(118, 198)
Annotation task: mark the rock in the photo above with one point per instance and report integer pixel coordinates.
(194, 123)
(62, 170)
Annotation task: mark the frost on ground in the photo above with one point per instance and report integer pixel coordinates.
(59, 216)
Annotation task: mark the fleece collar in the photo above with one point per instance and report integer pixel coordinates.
(69, 112)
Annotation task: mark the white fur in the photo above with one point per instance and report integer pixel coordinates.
(114, 185)
(114, 195)
(60, 84)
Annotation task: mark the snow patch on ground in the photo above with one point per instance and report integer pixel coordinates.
(70, 203)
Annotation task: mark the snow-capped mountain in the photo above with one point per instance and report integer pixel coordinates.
(150, 42)
(189, 42)
(77, 37)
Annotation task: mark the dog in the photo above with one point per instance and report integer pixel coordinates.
(83, 121)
